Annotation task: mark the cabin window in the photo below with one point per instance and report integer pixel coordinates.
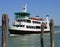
(28, 21)
(18, 20)
(19, 16)
(36, 22)
(16, 25)
(23, 20)
(22, 25)
(38, 27)
(31, 27)
(19, 25)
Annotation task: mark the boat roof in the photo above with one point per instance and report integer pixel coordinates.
(37, 19)
(22, 13)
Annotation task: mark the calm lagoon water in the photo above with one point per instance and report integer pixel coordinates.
(32, 40)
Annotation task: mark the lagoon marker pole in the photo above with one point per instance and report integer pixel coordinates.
(41, 35)
(4, 30)
(52, 33)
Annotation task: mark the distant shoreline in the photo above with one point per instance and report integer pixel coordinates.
(56, 26)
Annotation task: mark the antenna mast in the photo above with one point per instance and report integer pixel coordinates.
(25, 8)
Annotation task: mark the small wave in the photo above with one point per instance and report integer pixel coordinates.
(56, 32)
(13, 35)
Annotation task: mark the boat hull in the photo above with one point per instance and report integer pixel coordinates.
(25, 32)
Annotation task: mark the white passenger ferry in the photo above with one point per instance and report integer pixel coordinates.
(24, 24)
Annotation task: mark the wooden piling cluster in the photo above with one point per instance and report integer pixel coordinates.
(51, 34)
(5, 32)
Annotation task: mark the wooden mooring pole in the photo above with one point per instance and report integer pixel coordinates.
(4, 30)
(41, 35)
(52, 33)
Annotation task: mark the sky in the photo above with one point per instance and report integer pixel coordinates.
(34, 7)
